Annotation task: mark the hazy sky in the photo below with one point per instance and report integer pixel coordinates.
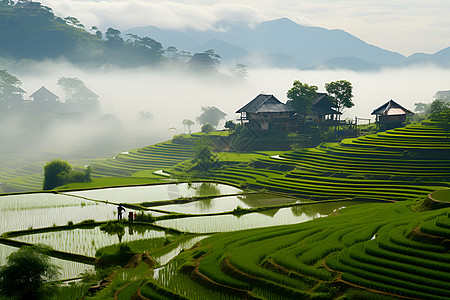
(404, 26)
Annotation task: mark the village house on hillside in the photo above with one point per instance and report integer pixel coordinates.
(85, 101)
(44, 95)
(391, 114)
(44, 100)
(267, 113)
(323, 109)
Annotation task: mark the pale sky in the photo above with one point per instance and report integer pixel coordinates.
(404, 26)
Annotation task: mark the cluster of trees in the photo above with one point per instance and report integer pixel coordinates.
(209, 119)
(59, 172)
(302, 95)
(440, 104)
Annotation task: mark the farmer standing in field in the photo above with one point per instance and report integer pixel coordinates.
(120, 210)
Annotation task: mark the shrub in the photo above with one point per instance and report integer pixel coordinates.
(120, 257)
(207, 128)
(113, 228)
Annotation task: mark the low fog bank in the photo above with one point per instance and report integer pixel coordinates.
(170, 96)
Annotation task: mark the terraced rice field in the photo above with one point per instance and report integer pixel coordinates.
(398, 164)
(313, 251)
(159, 156)
(29, 176)
(375, 246)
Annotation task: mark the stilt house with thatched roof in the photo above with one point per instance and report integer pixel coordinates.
(266, 112)
(323, 108)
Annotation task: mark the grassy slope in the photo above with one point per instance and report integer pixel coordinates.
(396, 263)
(395, 165)
(378, 246)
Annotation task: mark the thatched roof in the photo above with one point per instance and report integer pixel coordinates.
(391, 108)
(265, 103)
(322, 105)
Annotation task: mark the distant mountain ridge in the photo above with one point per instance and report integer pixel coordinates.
(36, 33)
(284, 43)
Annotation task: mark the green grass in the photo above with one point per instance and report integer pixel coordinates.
(369, 244)
(109, 182)
(442, 195)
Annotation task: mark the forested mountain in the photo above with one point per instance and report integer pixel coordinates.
(29, 30)
(280, 42)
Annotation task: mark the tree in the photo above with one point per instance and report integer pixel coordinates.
(8, 86)
(188, 123)
(55, 173)
(301, 96)
(341, 93)
(239, 71)
(59, 172)
(27, 273)
(113, 36)
(71, 86)
(442, 117)
(438, 106)
(78, 95)
(230, 125)
(172, 52)
(97, 32)
(211, 115)
(421, 107)
(72, 21)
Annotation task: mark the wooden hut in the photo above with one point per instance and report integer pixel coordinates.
(267, 113)
(323, 108)
(43, 95)
(44, 100)
(391, 114)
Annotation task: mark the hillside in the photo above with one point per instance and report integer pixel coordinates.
(39, 34)
(34, 32)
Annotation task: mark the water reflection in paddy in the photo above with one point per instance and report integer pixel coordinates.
(229, 203)
(151, 193)
(88, 241)
(284, 216)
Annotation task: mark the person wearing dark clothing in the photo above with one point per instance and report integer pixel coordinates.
(130, 216)
(120, 210)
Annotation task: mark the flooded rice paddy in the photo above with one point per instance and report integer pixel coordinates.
(154, 193)
(22, 212)
(19, 212)
(87, 241)
(228, 203)
(273, 217)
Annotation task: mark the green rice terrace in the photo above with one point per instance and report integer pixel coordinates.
(365, 218)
